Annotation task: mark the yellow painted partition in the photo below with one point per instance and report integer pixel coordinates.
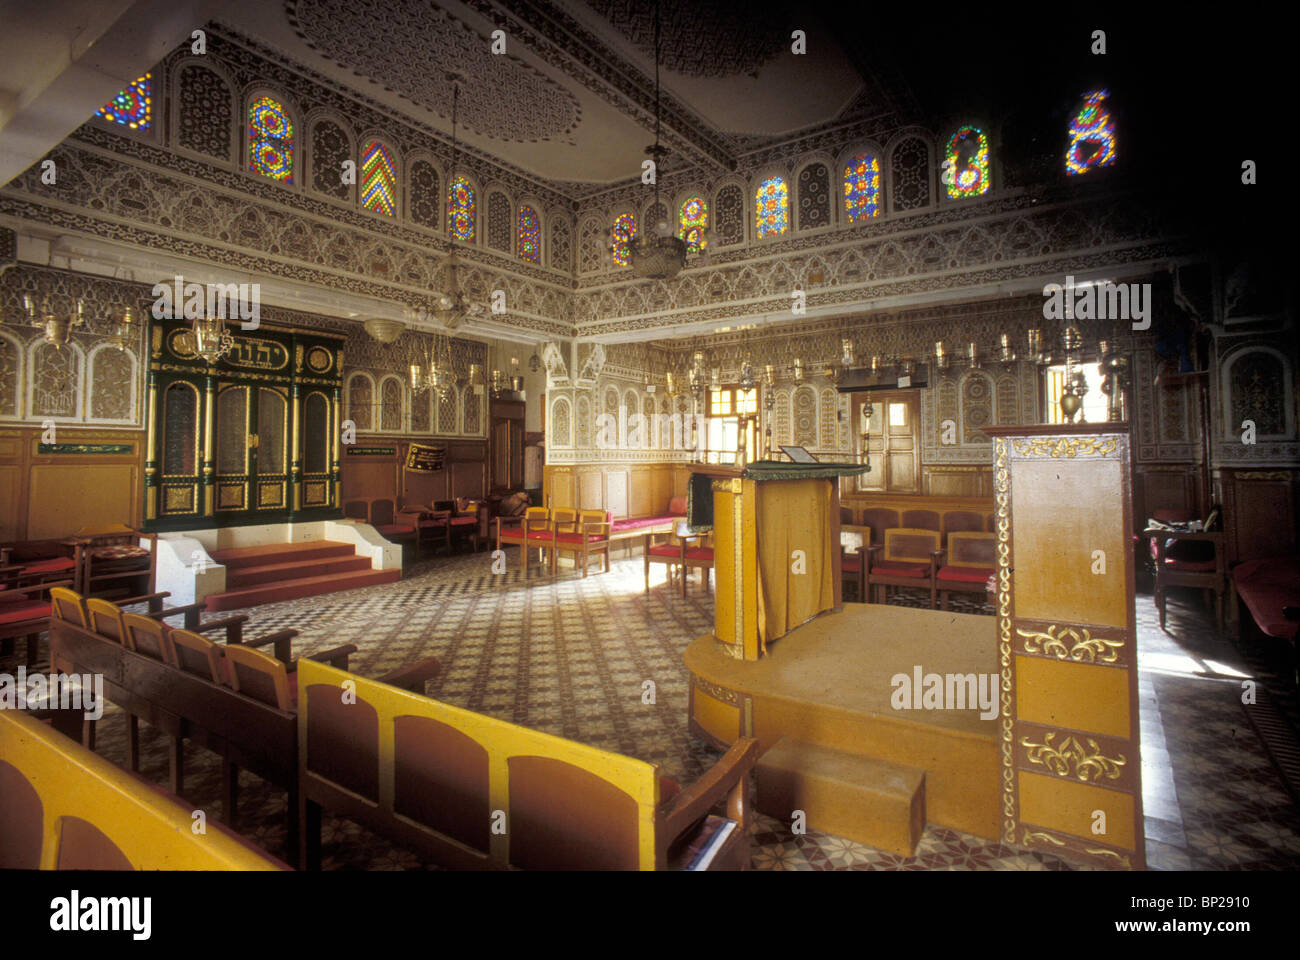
(1068, 731)
(151, 830)
(499, 738)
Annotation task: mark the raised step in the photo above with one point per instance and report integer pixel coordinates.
(875, 802)
(293, 570)
(272, 553)
(254, 595)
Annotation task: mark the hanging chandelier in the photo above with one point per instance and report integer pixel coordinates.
(450, 308)
(656, 254)
(208, 338)
(56, 324)
(431, 368)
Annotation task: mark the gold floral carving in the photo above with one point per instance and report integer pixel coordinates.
(1083, 646)
(717, 692)
(1002, 504)
(1071, 758)
(1066, 447)
(1031, 838)
(1099, 852)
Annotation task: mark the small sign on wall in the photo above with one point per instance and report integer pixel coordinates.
(423, 458)
(371, 451)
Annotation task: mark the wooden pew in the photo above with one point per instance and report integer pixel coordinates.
(438, 779)
(66, 809)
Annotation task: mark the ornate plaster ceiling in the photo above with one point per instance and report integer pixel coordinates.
(409, 49)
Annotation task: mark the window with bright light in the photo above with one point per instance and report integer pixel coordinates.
(728, 406)
(1094, 401)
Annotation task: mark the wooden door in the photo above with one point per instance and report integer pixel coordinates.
(893, 440)
(252, 451)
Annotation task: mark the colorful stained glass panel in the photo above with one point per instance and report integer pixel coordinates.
(462, 210)
(862, 187)
(623, 234)
(529, 242)
(693, 223)
(1092, 136)
(270, 140)
(772, 207)
(966, 163)
(132, 107)
(378, 179)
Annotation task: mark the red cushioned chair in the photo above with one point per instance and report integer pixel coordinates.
(1178, 566)
(970, 559)
(532, 530)
(854, 541)
(680, 554)
(586, 536)
(25, 612)
(908, 558)
(432, 525)
(383, 518)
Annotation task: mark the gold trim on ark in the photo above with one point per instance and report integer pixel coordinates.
(1066, 447)
(1071, 758)
(1083, 648)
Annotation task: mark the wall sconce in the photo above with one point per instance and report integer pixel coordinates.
(123, 330)
(973, 354)
(875, 364)
(846, 352)
(58, 327)
(798, 370)
(1005, 353)
(769, 375)
(941, 359)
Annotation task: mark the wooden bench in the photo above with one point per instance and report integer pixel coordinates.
(474, 792)
(66, 809)
(191, 699)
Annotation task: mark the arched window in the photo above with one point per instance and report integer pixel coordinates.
(133, 106)
(529, 242)
(462, 210)
(330, 150)
(693, 223)
(771, 207)
(422, 194)
(270, 140)
(1092, 135)
(862, 187)
(966, 163)
(378, 179)
(624, 233)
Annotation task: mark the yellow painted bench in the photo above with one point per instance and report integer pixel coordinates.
(474, 792)
(64, 808)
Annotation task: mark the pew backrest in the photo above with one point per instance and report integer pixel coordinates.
(67, 809)
(440, 778)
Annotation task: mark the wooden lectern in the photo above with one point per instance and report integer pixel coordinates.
(776, 542)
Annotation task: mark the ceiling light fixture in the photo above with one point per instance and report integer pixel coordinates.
(656, 254)
(450, 308)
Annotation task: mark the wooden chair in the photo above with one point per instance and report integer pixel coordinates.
(854, 541)
(962, 521)
(908, 558)
(586, 536)
(680, 554)
(431, 525)
(262, 677)
(531, 531)
(880, 518)
(923, 520)
(357, 510)
(467, 522)
(109, 558)
(382, 517)
(148, 637)
(1175, 571)
(195, 654)
(970, 559)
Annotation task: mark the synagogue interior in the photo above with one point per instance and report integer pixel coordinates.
(592, 435)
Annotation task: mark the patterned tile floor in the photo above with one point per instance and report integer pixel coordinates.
(570, 656)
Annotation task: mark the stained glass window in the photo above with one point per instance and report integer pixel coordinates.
(862, 187)
(133, 107)
(378, 179)
(772, 207)
(462, 210)
(270, 140)
(624, 233)
(966, 163)
(530, 235)
(1092, 136)
(693, 223)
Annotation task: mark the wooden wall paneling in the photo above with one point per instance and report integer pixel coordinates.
(661, 489)
(1167, 487)
(641, 491)
(958, 481)
(1259, 512)
(616, 492)
(591, 484)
